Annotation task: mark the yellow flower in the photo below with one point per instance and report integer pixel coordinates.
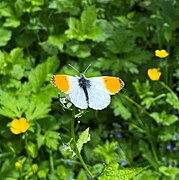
(34, 168)
(19, 126)
(18, 164)
(154, 74)
(161, 53)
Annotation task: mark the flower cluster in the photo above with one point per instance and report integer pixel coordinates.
(154, 73)
(19, 126)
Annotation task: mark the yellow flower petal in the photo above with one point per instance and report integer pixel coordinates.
(18, 164)
(19, 126)
(23, 124)
(161, 53)
(14, 131)
(154, 74)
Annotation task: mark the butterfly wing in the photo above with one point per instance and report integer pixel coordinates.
(100, 90)
(70, 86)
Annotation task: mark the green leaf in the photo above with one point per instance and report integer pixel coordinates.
(82, 175)
(49, 47)
(6, 10)
(143, 89)
(31, 149)
(164, 118)
(147, 154)
(51, 139)
(83, 139)
(58, 41)
(64, 173)
(120, 109)
(36, 2)
(72, 6)
(12, 22)
(37, 77)
(40, 140)
(121, 43)
(37, 111)
(85, 28)
(170, 172)
(173, 100)
(5, 36)
(108, 151)
(106, 29)
(168, 33)
(88, 19)
(16, 56)
(147, 175)
(52, 64)
(78, 50)
(14, 108)
(113, 172)
(17, 72)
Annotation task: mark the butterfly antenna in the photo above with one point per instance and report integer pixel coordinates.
(74, 68)
(87, 68)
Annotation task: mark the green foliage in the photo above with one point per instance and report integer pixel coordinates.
(113, 171)
(136, 137)
(85, 28)
(108, 151)
(83, 138)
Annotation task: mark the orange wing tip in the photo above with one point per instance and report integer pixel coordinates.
(113, 84)
(61, 82)
(53, 81)
(121, 83)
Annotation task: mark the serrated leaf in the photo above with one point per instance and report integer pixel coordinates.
(121, 44)
(51, 138)
(113, 172)
(39, 75)
(108, 151)
(13, 108)
(37, 111)
(85, 28)
(120, 109)
(83, 138)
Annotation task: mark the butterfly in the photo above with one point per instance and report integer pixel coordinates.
(83, 92)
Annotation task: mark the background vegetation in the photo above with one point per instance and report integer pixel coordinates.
(137, 135)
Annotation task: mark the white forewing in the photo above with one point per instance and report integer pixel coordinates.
(99, 96)
(99, 84)
(76, 94)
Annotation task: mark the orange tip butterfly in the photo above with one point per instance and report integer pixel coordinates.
(85, 92)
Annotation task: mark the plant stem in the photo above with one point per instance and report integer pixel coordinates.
(51, 161)
(75, 145)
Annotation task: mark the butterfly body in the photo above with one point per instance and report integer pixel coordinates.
(88, 92)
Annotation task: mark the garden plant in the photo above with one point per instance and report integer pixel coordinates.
(43, 135)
